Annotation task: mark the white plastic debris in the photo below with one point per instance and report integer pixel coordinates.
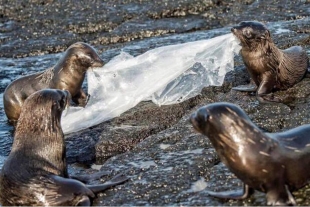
(165, 75)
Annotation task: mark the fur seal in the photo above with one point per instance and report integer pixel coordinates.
(269, 67)
(273, 163)
(35, 172)
(67, 74)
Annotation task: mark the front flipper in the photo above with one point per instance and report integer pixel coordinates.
(264, 91)
(280, 196)
(245, 88)
(251, 87)
(269, 98)
(246, 192)
(118, 179)
(81, 98)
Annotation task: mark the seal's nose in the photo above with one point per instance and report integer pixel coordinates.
(194, 122)
(202, 115)
(98, 62)
(199, 118)
(68, 98)
(192, 118)
(233, 29)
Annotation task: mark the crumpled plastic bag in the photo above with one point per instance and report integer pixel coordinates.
(165, 75)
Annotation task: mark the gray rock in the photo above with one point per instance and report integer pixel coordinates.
(168, 163)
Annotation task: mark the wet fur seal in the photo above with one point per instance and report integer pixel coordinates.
(67, 74)
(269, 67)
(273, 163)
(35, 172)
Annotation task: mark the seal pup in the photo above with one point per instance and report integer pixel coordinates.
(35, 172)
(273, 163)
(67, 74)
(270, 68)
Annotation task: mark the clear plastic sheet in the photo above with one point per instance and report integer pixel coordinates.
(165, 75)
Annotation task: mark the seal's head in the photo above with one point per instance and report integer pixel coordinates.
(41, 112)
(251, 34)
(217, 116)
(264, 162)
(84, 55)
(225, 124)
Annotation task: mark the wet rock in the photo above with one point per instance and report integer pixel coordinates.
(173, 166)
(27, 26)
(168, 163)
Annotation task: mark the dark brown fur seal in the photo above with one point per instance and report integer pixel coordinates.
(67, 74)
(35, 172)
(269, 67)
(273, 163)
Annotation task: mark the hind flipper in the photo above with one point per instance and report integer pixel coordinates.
(118, 179)
(246, 192)
(87, 178)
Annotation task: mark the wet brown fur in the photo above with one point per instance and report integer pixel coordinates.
(38, 149)
(269, 67)
(67, 74)
(35, 172)
(274, 163)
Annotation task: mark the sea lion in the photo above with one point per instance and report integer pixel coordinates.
(269, 67)
(273, 163)
(35, 172)
(67, 74)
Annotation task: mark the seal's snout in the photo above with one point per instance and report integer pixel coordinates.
(202, 115)
(233, 29)
(67, 93)
(199, 119)
(68, 98)
(194, 122)
(98, 62)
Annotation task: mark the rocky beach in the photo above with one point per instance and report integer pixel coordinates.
(167, 161)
